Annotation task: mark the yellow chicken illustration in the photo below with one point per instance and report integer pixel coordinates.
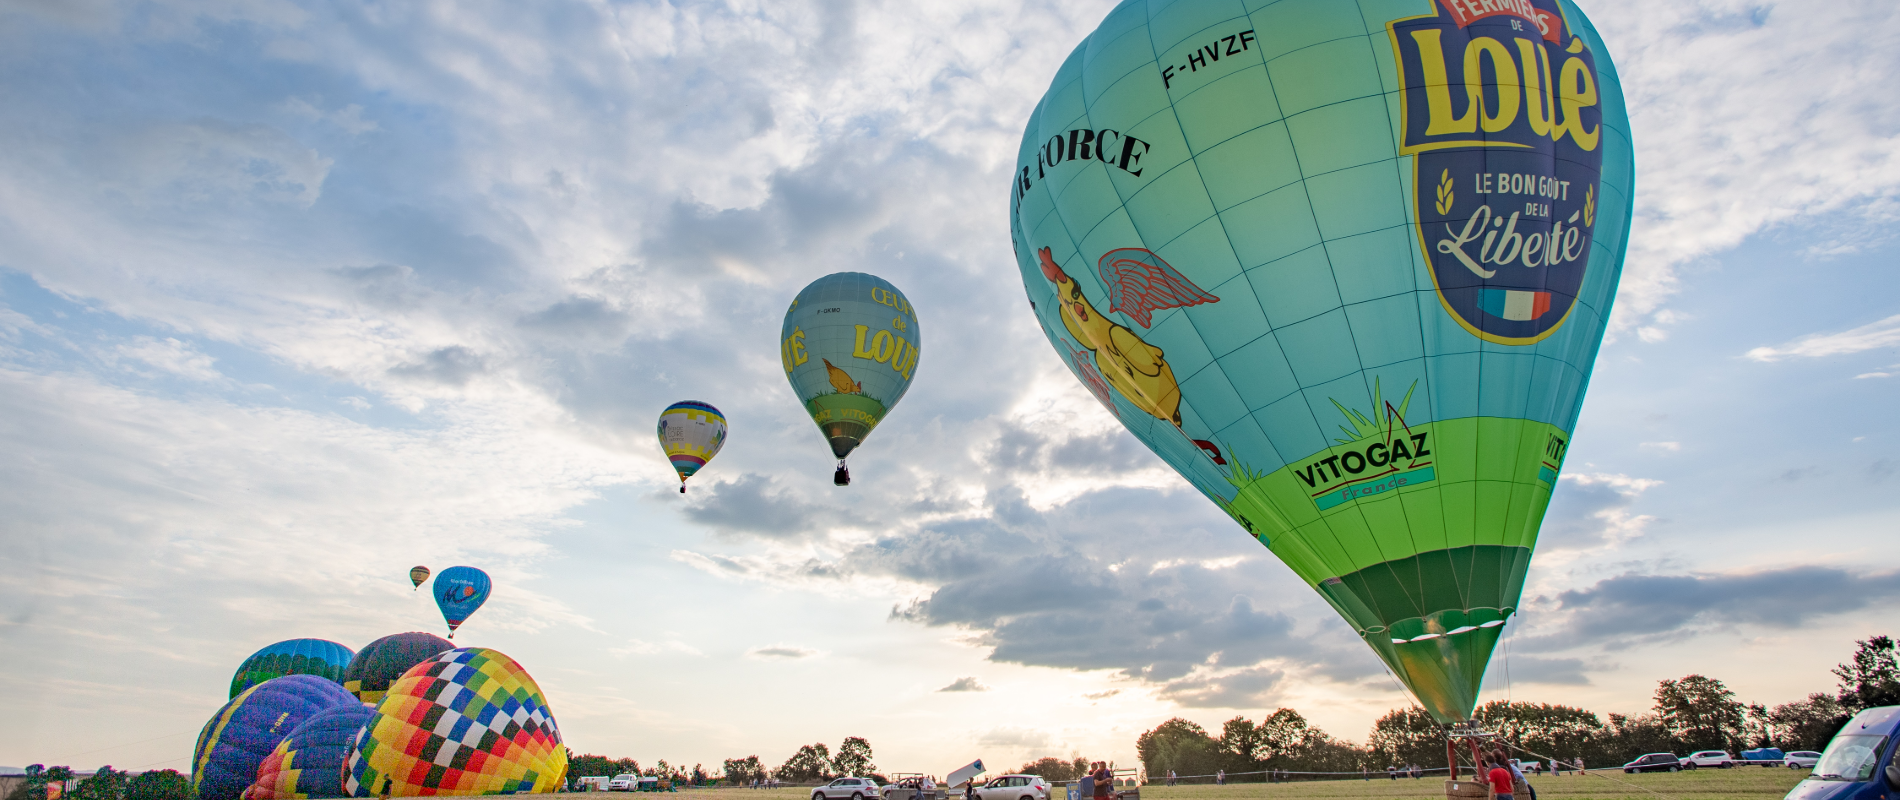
(840, 379)
(1133, 367)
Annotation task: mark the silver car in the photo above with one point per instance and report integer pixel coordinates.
(1801, 759)
(1014, 787)
(847, 789)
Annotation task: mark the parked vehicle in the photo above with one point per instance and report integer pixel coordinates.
(1858, 764)
(1528, 767)
(622, 783)
(1720, 759)
(1765, 756)
(848, 789)
(1654, 762)
(592, 783)
(904, 786)
(1801, 759)
(1014, 787)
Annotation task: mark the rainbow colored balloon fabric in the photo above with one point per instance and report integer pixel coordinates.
(309, 762)
(1346, 267)
(849, 344)
(691, 433)
(466, 722)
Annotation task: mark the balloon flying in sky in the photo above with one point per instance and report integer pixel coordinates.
(418, 574)
(1345, 267)
(458, 592)
(691, 433)
(849, 346)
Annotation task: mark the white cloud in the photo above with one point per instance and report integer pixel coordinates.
(1665, 447)
(171, 356)
(1872, 336)
(965, 684)
(787, 652)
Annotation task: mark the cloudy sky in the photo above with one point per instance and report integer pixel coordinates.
(296, 296)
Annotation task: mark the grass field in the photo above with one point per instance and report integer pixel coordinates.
(1708, 784)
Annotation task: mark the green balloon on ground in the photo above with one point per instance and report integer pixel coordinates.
(1346, 267)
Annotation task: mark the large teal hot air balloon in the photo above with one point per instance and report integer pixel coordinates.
(849, 344)
(1345, 266)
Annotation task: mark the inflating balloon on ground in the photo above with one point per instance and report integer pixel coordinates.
(320, 657)
(245, 731)
(309, 762)
(381, 662)
(1345, 267)
(850, 345)
(468, 721)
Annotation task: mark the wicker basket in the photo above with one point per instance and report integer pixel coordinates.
(1461, 790)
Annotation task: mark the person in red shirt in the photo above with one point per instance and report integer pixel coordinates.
(1500, 779)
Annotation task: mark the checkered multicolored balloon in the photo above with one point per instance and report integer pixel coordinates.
(467, 722)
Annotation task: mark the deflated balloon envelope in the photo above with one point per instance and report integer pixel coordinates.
(1344, 266)
(381, 662)
(309, 762)
(320, 657)
(468, 721)
(224, 761)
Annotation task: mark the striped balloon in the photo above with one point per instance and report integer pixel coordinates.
(309, 762)
(320, 657)
(691, 433)
(245, 731)
(467, 722)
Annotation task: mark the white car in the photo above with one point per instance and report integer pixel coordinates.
(1801, 759)
(1719, 759)
(847, 789)
(1014, 787)
(622, 783)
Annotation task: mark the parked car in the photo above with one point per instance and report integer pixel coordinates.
(1801, 759)
(1858, 764)
(1014, 787)
(1654, 762)
(1528, 767)
(1720, 759)
(847, 789)
(1765, 756)
(622, 783)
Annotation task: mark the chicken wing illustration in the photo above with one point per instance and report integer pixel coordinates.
(840, 379)
(1130, 365)
(1140, 283)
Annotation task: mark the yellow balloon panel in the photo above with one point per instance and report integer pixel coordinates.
(467, 722)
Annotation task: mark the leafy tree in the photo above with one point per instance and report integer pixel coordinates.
(1407, 736)
(1557, 731)
(1700, 712)
(1178, 745)
(854, 757)
(1873, 677)
(37, 776)
(743, 771)
(1054, 769)
(591, 766)
(105, 783)
(162, 784)
(1627, 737)
(811, 763)
(1806, 724)
(699, 775)
(1239, 739)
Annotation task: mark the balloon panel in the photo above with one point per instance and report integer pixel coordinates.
(466, 722)
(1345, 267)
(309, 762)
(691, 433)
(849, 346)
(458, 592)
(224, 760)
(382, 661)
(320, 657)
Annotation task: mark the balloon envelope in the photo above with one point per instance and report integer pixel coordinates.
(418, 574)
(231, 745)
(320, 657)
(458, 592)
(468, 721)
(381, 662)
(309, 762)
(849, 346)
(1345, 267)
(691, 433)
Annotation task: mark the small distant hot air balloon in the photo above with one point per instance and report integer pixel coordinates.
(691, 433)
(458, 592)
(320, 657)
(466, 722)
(381, 662)
(849, 345)
(246, 730)
(418, 574)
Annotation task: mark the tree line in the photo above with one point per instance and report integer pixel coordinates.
(106, 784)
(1694, 712)
(812, 763)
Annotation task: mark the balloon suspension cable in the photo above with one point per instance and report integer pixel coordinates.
(843, 476)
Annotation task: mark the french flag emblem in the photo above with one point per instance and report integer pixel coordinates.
(1513, 304)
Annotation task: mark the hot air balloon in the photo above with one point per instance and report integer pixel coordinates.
(418, 574)
(320, 657)
(248, 728)
(458, 592)
(691, 433)
(381, 662)
(468, 721)
(849, 345)
(1345, 267)
(309, 762)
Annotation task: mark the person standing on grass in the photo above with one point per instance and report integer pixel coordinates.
(1500, 780)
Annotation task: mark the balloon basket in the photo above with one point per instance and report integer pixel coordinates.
(842, 477)
(1458, 790)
